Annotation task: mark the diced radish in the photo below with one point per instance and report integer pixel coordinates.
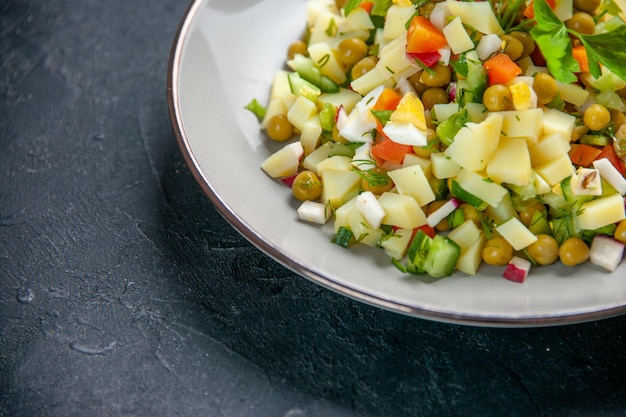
(288, 181)
(314, 212)
(452, 91)
(341, 117)
(517, 270)
(606, 252)
(442, 212)
(370, 208)
(611, 174)
(427, 58)
(445, 55)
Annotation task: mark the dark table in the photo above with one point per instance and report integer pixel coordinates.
(124, 293)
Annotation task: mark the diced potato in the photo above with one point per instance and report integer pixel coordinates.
(326, 58)
(393, 57)
(358, 19)
(342, 214)
(425, 163)
(481, 138)
(281, 88)
(457, 37)
(276, 107)
(516, 234)
(527, 124)
(395, 246)
(284, 162)
(472, 257)
(503, 211)
(556, 121)
(601, 212)
(511, 162)
(370, 80)
(395, 23)
(363, 232)
(572, 93)
(310, 134)
(443, 166)
(444, 111)
(413, 182)
(339, 186)
(465, 234)
(481, 187)
(337, 162)
(302, 110)
(324, 18)
(320, 154)
(471, 240)
(564, 9)
(408, 72)
(344, 97)
(477, 111)
(314, 8)
(550, 147)
(478, 15)
(555, 171)
(541, 185)
(401, 211)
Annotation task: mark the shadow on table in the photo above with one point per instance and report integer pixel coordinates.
(372, 360)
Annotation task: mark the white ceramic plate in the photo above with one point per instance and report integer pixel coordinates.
(225, 54)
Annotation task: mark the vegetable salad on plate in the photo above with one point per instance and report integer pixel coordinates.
(453, 133)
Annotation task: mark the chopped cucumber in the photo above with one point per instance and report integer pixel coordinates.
(435, 256)
(462, 194)
(301, 87)
(306, 68)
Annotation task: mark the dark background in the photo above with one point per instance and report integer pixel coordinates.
(124, 293)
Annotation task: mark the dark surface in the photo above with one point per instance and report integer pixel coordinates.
(124, 293)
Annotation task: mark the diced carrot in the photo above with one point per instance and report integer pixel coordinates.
(529, 12)
(388, 150)
(388, 100)
(367, 6)
(583, 155)
(501, 69)
(609, 152)
(423, 36)
(580, 55)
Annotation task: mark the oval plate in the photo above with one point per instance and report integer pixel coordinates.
(224, 55)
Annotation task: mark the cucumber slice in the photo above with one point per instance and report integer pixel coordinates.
(443, 255)
(459, 192)
(302, 87)
(308, 71)
(436, 256)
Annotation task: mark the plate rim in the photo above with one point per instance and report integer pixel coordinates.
(176, 119)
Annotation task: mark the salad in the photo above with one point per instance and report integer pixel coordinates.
(454, 133)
